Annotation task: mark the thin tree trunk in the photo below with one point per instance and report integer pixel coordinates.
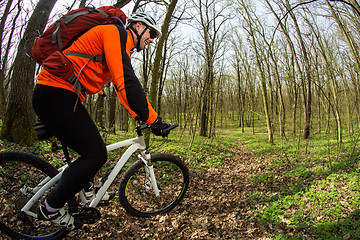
(82, 3)
(100, 112)
(5, 58)
(154, 85)
(331, 75)
(306, 83)
(3, 21)
(19, 116)
(124, 119)
(112, 110)
(121, 3)
(259, 63)
(348, 37)
(294, 61)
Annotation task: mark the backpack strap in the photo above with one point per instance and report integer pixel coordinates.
(73, 79)
(88, 56)
(57, 34)
(71, 17)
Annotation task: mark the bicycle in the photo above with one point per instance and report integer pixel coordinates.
(152, 185)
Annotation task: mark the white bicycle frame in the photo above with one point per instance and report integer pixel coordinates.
(136, 144)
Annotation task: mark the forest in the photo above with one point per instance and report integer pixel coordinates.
(267, 89)
(216, 60)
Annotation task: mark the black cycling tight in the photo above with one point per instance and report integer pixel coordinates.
(76, 129)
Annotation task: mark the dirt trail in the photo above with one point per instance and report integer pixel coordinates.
(215, 207)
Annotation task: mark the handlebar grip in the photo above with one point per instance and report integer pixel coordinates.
(166, 132)
(172, 127)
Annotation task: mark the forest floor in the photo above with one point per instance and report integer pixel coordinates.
(245, 192)
(215, 207)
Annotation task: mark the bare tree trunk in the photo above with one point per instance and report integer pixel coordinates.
(3, 20)
(255, 44)
(112, 110)
(89, 105)
(163, 74)
(154, 85)
(282, 116)
(205, 108)
(353, 47)
(5, 58)
(294, 62)
(210, 20)
(82, 3)
(19, 115)
(348, 104)
(124, 119)
(306, 83)
(330, 74)
(121, 3)
(241, 77)
(100, 112)
(318, 94)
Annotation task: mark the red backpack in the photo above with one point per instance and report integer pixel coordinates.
(60, 34)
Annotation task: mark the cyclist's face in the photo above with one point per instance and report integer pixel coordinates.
(148, 36)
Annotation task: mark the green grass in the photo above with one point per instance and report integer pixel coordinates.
(310, 186)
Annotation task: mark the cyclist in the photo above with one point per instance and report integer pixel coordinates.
(55, 103)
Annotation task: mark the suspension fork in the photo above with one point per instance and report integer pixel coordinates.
(145, 157)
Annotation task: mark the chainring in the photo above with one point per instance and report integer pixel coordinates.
(88, 215)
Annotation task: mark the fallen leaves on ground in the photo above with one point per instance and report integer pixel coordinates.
(215, 207)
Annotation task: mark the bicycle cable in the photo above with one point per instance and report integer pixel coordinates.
(151, 147)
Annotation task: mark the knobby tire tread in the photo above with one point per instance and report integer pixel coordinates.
(40, 164)
(139, 164)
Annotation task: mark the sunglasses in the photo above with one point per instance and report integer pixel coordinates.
(153, 33)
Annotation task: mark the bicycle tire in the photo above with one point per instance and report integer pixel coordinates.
(172, 177)
(19, 173)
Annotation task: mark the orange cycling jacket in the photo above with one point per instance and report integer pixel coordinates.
(115, 43)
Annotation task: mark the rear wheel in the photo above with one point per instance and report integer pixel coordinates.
(20, 173)
(136, 193)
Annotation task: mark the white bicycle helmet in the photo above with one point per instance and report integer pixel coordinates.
(146, 19)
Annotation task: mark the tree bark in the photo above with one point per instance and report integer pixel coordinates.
(294, 61)
(82, 3)
(112, 110)
(306, 83)
(331, 75)
(100, 112)
(255, 44)
(19, 116)
(154, 85)
(353, 46)
(4, 59)
(121, 3)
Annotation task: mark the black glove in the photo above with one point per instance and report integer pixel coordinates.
(158, 126)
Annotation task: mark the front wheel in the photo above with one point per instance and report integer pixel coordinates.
(136, 193)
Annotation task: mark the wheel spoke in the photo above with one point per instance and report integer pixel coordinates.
(20, 173)
(137, 195)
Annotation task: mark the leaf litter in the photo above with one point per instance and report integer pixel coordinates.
(215, 207)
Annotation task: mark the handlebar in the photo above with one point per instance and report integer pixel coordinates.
(164, 132)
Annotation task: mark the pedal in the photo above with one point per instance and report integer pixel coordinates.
(88, 215)
(106, 199)
(104, 203)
